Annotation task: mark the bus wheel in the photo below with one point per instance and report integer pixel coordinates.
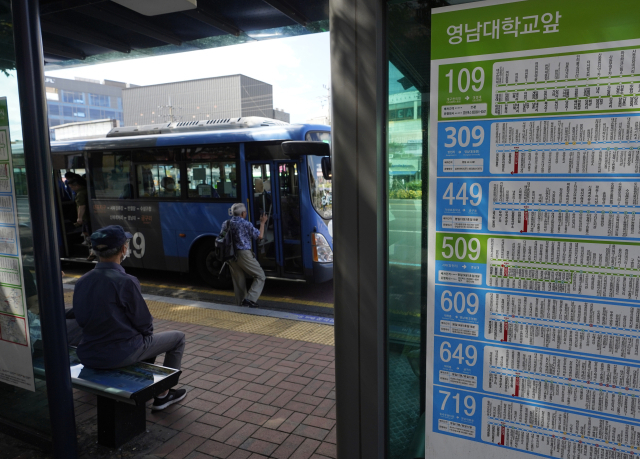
(209, 267)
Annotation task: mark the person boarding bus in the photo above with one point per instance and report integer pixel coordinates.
(245, 263)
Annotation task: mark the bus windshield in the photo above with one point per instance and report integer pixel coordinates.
(319, 188)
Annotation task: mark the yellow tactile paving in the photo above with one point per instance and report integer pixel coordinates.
(228, 293)
(270, 326)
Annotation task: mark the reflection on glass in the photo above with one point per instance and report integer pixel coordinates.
(408, 100)
(404, 272)
(123, 381)
(212, 180)
(20, 406)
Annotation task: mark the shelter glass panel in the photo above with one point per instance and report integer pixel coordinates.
(409, 45)
(19, 307)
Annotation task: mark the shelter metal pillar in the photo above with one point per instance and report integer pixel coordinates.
(33, 108)
(358, 83)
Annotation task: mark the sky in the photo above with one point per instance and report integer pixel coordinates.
(297, 67)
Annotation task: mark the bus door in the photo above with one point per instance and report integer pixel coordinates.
(71, 234)
(275, 192)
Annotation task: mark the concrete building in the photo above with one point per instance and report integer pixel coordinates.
(231, 96)
(82, 99)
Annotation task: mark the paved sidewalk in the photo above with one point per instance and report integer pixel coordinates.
(258, 387)
(251, 396)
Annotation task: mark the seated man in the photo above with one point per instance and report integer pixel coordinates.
(117, 327)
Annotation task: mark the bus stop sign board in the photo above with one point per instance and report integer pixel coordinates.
(534, 280)
(17, 322)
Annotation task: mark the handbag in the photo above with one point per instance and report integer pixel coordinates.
(225, 246)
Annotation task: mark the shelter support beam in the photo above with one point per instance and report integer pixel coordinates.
(214, 20)
(122, 17)
(37, 156)
(288, 11)
(358, 63)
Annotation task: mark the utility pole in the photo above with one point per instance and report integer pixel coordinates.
(171, 116)
(326, 100)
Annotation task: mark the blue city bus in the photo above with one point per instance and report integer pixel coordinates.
(172, 186)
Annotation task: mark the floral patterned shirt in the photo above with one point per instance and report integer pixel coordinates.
(243, 231)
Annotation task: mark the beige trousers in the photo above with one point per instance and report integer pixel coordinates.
(244, 265)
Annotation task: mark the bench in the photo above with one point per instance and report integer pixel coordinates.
(122, 395)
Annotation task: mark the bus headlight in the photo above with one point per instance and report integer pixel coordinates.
(322, 253)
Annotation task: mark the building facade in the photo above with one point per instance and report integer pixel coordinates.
(230, 96)
(72, 101)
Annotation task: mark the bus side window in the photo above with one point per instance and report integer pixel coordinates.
(110, 175)
(212, 180)
(161, 181)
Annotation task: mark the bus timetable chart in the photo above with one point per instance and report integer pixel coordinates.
(11, 300)
(545, 431)
(603, 387)
(602, 270)
(597, 81)
(608, 330)
(566, 207)
(597, 146)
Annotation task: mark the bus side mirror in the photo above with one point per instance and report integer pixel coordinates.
(325, 163)
(297, 148)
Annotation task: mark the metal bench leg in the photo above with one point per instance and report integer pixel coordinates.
(119, 422)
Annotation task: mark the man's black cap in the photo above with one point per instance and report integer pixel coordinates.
(77, 180)
(109, 237)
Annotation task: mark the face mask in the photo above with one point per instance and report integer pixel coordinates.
(126, 254)
(171, 187)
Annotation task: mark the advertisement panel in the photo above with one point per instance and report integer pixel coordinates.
(534, 248)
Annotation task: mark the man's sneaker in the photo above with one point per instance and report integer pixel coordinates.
(249, 303)
(174, 396)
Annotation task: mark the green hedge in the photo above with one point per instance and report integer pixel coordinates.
(405, 194)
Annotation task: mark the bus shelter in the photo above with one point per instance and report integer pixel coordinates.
(487, 308)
